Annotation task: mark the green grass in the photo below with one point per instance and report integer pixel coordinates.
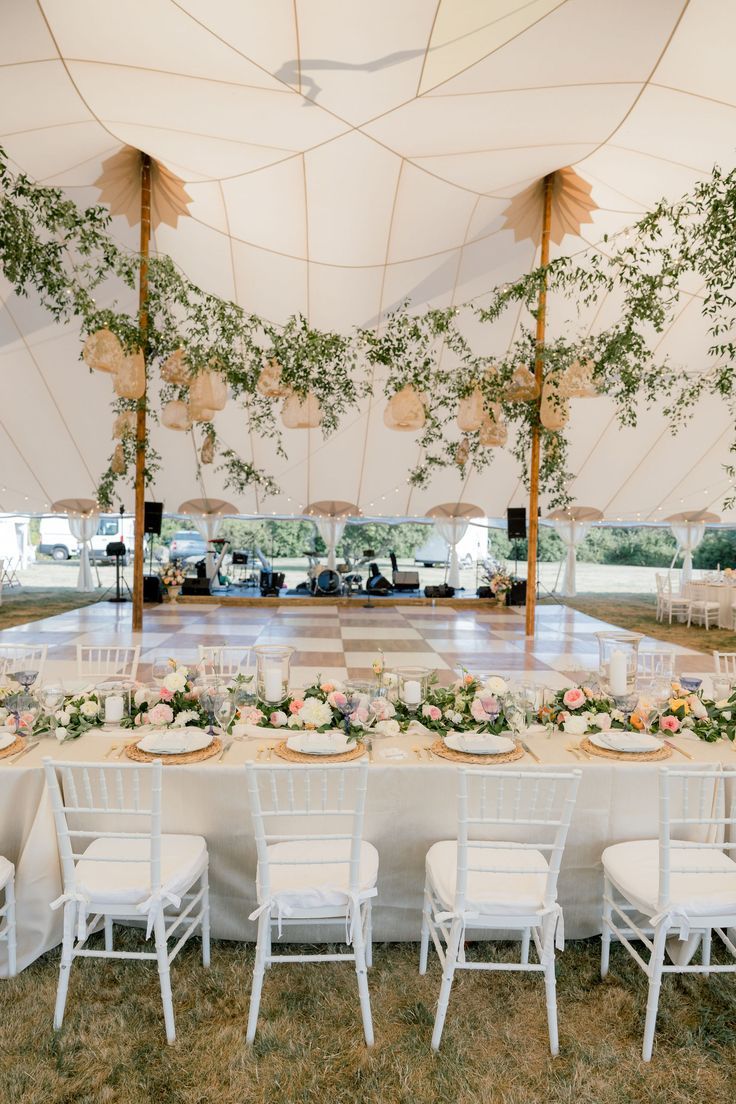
(24, 605)
(637, 612)
(309, 1046)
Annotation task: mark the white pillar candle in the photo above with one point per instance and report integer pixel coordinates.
(114, 708)
(412, 692)
(617, 674)
(273, 686)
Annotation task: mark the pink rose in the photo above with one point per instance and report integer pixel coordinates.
(360, 715)
(26, 720)
(161, 714)
(477, 710)
(165, 695)
(336, 699)
(669, 724)
(296, 705)
(10, 723)
(574, 698)
(277, 718)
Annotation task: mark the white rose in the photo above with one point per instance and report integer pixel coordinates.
(315, 714)
(175, 682)
(89, 709)
(185, 717)
(388, 728)
(144, 695)
(576, 726)
(294, 721)
(71, 708)
(62, 716)
(496, 684)
(602, 721)
(61, 733)
(698, 709)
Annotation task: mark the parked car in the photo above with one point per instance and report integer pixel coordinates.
(187, 545)
(57, 540)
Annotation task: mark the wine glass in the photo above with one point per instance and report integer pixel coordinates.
(224, 713)
(26, 711)
(25, 678)
(51, 697)
(160, 668)
(212, 697)
(648, 710)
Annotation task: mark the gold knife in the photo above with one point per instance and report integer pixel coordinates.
(573, 750)
(529, 751)
(674, 747)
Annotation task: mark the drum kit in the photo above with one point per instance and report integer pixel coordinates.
(325, 582)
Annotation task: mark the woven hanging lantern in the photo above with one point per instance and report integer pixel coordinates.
(176, 370)
(404, 410)
(470, 413)
(207, 452)
(494, 432)
(130, 378)
(124, 425)
(175, 415)
(554, 409)
(117, 464)
(299, 413)
(577, 381)
(522, 387)
(462, 452)
(207, 393)
(269, 382)
(103, 352)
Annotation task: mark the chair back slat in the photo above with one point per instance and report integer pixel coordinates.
(100, 661)
(695, 814)
(229, 660)
(725, 663)
(94, 801)
(656, 664)
(32, 657)
(494, 806)
(310, 804)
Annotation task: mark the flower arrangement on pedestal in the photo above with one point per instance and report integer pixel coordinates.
(172, 577)
(500, 583)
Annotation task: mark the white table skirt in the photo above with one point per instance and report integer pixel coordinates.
(410, 806)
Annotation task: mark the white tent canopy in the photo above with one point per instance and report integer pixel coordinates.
(335, 160)
(572, 525)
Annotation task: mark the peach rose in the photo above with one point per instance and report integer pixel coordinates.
(574, 698)
(669, 724)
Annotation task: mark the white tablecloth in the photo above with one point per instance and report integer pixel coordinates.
(725, 595)
(411, 805)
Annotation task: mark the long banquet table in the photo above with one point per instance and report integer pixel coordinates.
(411, 804)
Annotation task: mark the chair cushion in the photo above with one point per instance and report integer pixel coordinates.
(183, 858)
(6, 871)
(297, 884)
(634, 867)
(490, 893)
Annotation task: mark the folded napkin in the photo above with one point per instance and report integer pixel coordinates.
(172, 741)
(320, 743)
(628, 741)
(394, 753)
(480, 743)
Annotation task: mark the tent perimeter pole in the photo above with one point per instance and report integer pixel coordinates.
(533, 529)
(140, 426)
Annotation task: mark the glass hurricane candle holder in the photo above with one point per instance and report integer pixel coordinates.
(114, 699)
(412, 684)
(272, 672)
(618, 661)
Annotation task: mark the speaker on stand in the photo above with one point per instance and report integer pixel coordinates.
(152, 517)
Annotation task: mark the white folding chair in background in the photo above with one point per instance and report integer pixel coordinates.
(725, 663)
(672, 603)
(313, 866)
(660, 581)
(96, 662)
(702, 607)
(7, 912)
(10, 572)
(23, 657)
(2, 577)
(481, 883)
(229, 660)
(655, 888)
(656, 664)
(112, 874)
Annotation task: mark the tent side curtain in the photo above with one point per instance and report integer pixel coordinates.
(330, 530)
(83, 527)
(688, 535)
(571, 533)
(452, 530)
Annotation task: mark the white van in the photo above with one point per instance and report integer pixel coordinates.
(472, 547)
(57, 540)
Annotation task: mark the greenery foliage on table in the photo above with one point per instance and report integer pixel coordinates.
(67, 257)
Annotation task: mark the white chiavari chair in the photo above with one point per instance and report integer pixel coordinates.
(313, 866)
(656, 664)
(2, 577)
(702, 606)
(229, 660)
(120, 873)
(485, 883)
(684, 881)
(10, 572)
(23, 657)
(96, 662)
(725, 663)
(7, 912)
(673, 604)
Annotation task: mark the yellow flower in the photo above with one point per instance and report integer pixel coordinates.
(679, 703)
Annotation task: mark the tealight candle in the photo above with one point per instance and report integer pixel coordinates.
(412, 694)
(273, 686)
(114, 708)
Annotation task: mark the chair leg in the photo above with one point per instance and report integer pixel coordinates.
(205, 917)
(525, 941)
(656, 962)
(456, 935)
(606, 933)
(424, 945)
(162, 956)
(10, 927)
(262, 950)
(108, 933)
(67, 947)
(707, 940)
(368, 934)
(361, 971)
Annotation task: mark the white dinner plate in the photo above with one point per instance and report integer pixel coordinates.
(174, 741)
(634, 742)
(320, 743)
(7, 738)
(479, 744)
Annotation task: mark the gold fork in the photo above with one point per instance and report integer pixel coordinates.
(573, 750)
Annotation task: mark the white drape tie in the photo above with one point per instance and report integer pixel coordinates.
(352, 915)
(554, 911)
(156, 904)
(674, 917)
(82, 901)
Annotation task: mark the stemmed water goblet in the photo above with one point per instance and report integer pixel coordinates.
(160, 668)
(25, 678)
(52, 697)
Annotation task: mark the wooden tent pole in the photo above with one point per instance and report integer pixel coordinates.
(533, 528)
(140, 425)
